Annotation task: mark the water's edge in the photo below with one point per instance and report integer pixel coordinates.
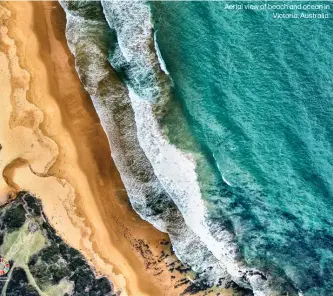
(122, 70)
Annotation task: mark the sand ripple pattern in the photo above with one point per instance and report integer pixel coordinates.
(27, 155)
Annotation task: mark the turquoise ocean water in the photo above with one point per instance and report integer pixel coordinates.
(250, 97)
(258, 95)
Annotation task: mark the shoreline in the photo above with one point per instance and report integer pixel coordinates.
(180, 180)
(76, 201)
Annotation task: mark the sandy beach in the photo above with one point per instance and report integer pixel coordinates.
(52, 144)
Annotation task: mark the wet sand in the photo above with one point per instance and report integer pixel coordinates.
(54, 146)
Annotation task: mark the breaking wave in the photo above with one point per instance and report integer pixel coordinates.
(120, 65)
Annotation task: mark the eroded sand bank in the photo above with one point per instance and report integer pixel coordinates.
(54, 146)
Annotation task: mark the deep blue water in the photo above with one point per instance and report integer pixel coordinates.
(258, 95)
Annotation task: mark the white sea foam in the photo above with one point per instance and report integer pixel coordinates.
(223, 176)
(114, 109)
(175, 170)
(225, 180)
(159, 55)
(161, 171)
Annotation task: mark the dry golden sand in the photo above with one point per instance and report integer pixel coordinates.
(54, 146)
